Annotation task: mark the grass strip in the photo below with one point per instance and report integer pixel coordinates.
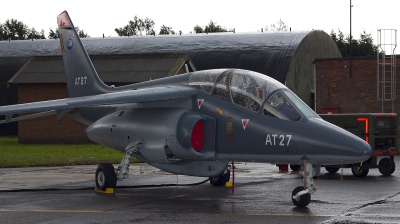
(13, 154)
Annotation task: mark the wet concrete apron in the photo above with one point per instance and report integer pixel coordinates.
(262, 195)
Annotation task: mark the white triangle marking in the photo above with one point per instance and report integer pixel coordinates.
(244, 123)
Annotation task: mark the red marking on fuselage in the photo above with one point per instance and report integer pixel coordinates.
(200, 102)
(244, 123)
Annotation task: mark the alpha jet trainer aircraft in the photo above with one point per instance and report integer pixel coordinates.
(195, 123)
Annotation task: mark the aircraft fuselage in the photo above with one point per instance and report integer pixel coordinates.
(232, 130)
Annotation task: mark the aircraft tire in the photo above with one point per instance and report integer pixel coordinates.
(105, 176)
(360, 170)
(303, 200)
(295, 167)
(220, 180)
(386, 167)
(332, 169)
(393, 168)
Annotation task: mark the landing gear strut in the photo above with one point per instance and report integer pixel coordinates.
(123, 168)
(301, 196)
(107, 176)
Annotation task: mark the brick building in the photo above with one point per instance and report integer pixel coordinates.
(341, 90)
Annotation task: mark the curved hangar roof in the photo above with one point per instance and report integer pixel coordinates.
(285, 56)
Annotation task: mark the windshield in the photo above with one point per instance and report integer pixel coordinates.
(285, 105)
(304, 108)
(249, 89)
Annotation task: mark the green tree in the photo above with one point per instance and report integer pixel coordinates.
(81, 33)
(366, 45)
(148, 26)
(198, 29)
(362, 47)
(166, 30)
(212, 27)
(137, 27)
(33, 34)
(53, 34)
(132, 29)
(340, 42)
(15, 30)
(278, 26)
(2, 33)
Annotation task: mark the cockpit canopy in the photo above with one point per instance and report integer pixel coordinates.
(253, 91)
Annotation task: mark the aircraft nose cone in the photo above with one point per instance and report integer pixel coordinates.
(362, 148)
(341, 145)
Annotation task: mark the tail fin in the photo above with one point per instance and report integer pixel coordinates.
(82, 78)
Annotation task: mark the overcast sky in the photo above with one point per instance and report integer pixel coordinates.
(98, 17)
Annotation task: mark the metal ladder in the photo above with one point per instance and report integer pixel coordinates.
(386, 66)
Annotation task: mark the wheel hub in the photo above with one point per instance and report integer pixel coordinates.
(101, 178)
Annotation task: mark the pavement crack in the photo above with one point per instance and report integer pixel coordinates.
(378, 202)
(349, 213)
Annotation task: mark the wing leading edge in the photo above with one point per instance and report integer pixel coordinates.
(132, 96)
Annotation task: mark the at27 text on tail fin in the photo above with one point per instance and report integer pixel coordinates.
(81, 76)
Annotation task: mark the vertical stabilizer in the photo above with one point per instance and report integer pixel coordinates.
(82, 78)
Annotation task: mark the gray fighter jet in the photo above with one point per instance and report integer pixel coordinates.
(195, 123)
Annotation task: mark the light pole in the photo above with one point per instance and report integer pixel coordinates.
(350, 42)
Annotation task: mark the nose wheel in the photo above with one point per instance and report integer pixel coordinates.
(303, 200)
(301, 196)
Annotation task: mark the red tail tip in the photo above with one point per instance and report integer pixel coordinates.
(63, 20)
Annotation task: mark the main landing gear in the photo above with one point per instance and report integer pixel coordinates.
(301, 196)
(360, 169)
(220, 180)
(106, 176)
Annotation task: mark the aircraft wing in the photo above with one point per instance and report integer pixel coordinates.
(62, 105)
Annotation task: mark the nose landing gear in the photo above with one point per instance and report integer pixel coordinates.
(301, 196)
